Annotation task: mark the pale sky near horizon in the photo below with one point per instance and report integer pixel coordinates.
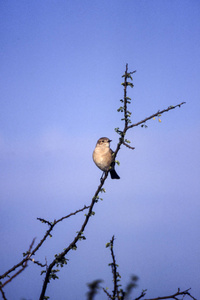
(61, 67)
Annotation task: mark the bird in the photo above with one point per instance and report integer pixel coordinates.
(103, 157)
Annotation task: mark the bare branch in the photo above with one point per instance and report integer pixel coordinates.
(23, 266)
(22, 262)
(174, 296)
(52, 225)
(109, 296)
(155, 115)
(143, 293)
(128, 146)
(37, 262)
(72, 245)
(114, 269)
(3, 294)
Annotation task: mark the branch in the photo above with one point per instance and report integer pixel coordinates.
(143, 293)
(122, 134)
(24, 261)
(114, 268)
(23, 266)
(3, 294)
(128, 146)
(155, 115)
(116, 293)
(109, 296)
(72, 245)
(127, 114)
(174, 296)
(61, 257)
(52, 225)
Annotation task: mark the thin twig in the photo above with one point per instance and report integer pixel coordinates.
(75, 240)
(114, 268)
(37, 262)
(23, 266)
(109, 296)
(125, 98)
(3, 294)
(155, 115)
(42, 240)
(174, 296)
(51, 225)
(143, 293)
(128, 146)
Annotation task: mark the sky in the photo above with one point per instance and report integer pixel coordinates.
(61, 67)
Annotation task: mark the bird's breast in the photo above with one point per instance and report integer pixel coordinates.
(102, 158)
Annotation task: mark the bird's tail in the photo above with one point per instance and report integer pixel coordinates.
(114, 174)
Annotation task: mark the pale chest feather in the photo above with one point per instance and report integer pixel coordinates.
(102, 157)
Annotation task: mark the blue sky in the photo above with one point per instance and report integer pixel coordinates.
(61, 66)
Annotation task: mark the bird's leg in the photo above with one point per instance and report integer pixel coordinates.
(101, 179)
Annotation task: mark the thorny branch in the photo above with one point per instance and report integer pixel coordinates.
(72, 245)
(114, 269)
(3, 294)
(24, 265)
(127, 113)
(79, 236)
(116, 276)
(124, 294)
(29, 253)
(174, 296)
(155, 115)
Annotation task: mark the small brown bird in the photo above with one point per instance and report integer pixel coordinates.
(103, 157)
